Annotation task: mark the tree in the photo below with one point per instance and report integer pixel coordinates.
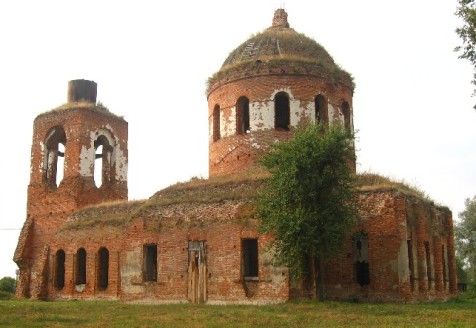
(7, 284)
(467, 11)
(465, 234)
(460, 271)
(308, 201)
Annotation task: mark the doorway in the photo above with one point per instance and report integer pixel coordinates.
(197, 272)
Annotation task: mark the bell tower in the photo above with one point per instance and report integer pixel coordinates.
(78, 158)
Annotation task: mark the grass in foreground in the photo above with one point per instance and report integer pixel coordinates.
(22, 313)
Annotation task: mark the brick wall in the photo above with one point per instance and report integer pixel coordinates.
(234, 152)
(389, 218)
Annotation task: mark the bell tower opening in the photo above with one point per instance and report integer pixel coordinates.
(102, 161)
(54, 156)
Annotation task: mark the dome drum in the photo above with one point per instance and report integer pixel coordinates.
(233, 149)
(272, 82)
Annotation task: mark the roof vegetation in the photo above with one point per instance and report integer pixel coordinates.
(368, 181)
(241, 187)
(277, 47)
(99, 107)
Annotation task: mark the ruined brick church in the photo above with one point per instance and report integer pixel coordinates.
(199, 241)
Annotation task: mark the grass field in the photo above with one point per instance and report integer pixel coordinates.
(23, 313)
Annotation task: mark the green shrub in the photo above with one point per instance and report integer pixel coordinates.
(7, 284)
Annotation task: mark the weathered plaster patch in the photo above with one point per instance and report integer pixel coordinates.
(403, 267)
(121, 164)
(86, 160)
(43, 158)
(261, 115)
(331, 114)
(228, 123)
(310, 112)
(295, 108)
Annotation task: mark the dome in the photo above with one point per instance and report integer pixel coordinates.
(278, 46)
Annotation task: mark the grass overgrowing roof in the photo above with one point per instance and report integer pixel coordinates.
(276, 47)
(99, 108)
(242, 187)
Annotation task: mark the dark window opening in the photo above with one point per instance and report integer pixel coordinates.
(250, 258)
(81, 267)
(361, 258)
(411, 264)
(103, 266)
(216, 123)
(362, 273)
(428, 262)
(54, 156)
(346, 112)
(59, 270)
(320, 105)
(443, 263)
(150, 263)
(281, 111)
(242, 115)
(102, 162)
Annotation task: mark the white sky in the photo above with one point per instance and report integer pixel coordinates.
(412, 104)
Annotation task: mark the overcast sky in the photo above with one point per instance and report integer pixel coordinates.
(412, 103)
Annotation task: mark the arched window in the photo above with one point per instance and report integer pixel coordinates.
(346, 112)
(59, 270)
(320, 105)
(242, 115)
(55, 143)
(216, 123)
(103, 268)
(102, 162)
(281, 111)
(81, 267)
(361, 258)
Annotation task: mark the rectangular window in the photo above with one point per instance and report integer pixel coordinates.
(250, 258)
(150, 262)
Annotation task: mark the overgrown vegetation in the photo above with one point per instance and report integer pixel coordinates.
(277, 49)
(99, 107)
(457, 313)
(308, 201)
(368, 181)
(467, 11)
(117, 213)
(241, 187)
(7, 288)
(213, 190)
(465, 235)
(7, 284)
